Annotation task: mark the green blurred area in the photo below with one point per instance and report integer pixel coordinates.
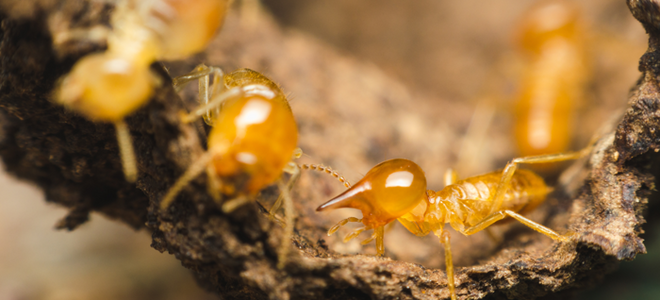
(637, 279)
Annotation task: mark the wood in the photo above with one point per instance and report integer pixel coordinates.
(350, 116)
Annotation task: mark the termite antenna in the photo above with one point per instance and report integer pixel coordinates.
(288, 229)
(193, 171)
(215, 102)
(126, 152)
(328, 170)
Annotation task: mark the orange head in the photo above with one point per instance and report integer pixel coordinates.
(185, 27)
(548, 21)
(388, 191)
(106, 87)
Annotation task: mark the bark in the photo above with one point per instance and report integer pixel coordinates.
(350, 116)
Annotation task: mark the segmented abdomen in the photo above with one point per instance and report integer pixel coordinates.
(469, 201)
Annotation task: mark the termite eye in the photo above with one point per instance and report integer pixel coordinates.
(389, 190)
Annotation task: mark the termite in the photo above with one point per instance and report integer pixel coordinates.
(553, 80)
(252, 143)
(396, 190)
(253, 140)
(108, 86)
(554, 70)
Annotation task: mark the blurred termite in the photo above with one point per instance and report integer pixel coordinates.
(396, 190)
(553, 82)
(552, 79)
(253, 141)
(108, 86)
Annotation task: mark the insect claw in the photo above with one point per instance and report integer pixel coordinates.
(369, 239)
(355, 233)
(333, 229)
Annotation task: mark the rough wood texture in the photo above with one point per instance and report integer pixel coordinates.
(348, 114)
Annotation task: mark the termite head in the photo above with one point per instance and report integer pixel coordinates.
(246, 77)
(186, 27)
(253, 139)
(548, 21)
(106, 87)
(388, 191)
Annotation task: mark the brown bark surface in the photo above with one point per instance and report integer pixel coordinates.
(350, 116)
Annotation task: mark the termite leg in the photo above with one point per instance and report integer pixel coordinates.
(126, 152)
(529, 223)
(369, 239)
(285, 197)
(213, 184)
(200, 71)
(292, 169)
(235, 203)
(202, 74)
(449, 262)
(195, 169)
(215, 102)
(356, 232)
(380, 236)
(203, 96)
(341, 223)
(450, 177)
(288, 230)
(507, 174)
(216, 88)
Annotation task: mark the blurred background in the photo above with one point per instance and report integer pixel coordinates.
(464, 51)
(470, 52)
(100, 260)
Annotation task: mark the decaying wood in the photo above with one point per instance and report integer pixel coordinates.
(350, 116)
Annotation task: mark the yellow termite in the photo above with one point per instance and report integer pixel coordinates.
(251, 144)
(396, 190)
(554, 79)
(253, 140)
(108, 86)
(552, 82)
